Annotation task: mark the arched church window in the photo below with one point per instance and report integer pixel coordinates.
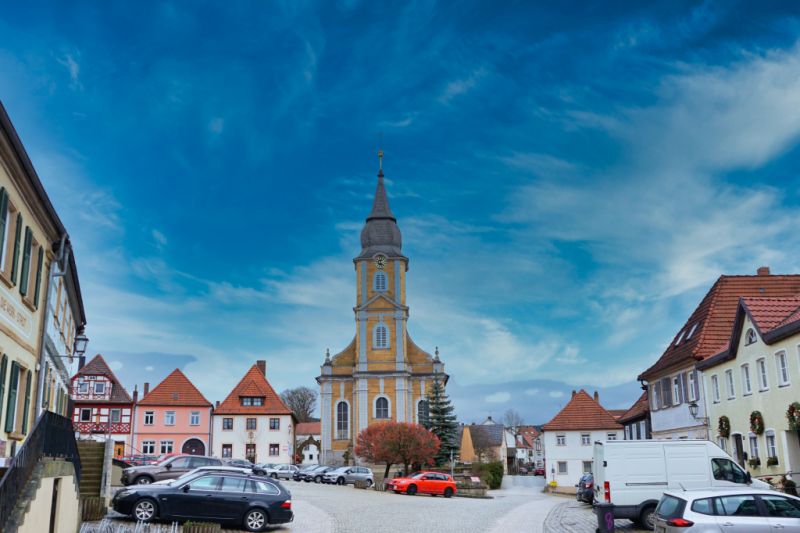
(422, 412)
(381, 407)
(342, 420)
(751, 336)
(380, 281)
(381, 336)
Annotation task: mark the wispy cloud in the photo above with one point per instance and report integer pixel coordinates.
(462, 85)
(69, 62)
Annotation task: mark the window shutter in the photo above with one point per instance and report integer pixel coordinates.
(3, 217)
(15, 258)
(3, 368)
(27, 403)
(13, 382)
(26, 263)
(684, 396)
(39, 262)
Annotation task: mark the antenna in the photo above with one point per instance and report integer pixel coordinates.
(681, 486)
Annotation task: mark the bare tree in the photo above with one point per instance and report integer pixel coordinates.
(513, 420)
(302, 401)
(481, 444)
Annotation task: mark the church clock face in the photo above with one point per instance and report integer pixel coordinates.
(380, 262)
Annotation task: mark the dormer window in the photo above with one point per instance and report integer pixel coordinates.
(750, 338)
(691, 331)
(380, 281)
(680, 337)
(249, 401)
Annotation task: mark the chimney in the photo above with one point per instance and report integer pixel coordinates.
(135, 394)
(573, 393)
(597, 396)
(763, 271)
(217, 407)
(146, 389)
(262, 366)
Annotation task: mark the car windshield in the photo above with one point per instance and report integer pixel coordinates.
(165, 460)
(417, 475)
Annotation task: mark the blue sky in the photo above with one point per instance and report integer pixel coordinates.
(569, 179)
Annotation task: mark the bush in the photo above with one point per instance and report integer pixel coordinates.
(491, 473)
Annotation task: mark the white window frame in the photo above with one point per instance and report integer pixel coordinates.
(729, 384)
(83, 410)
(763, 374)
(692, 385)
(152, 416)
(376, 340)
(750, 337)
(747, 384)
(102, 386)
(276, 447)
(680, 337)
(83, 387)
(655, 396)
(229, 448)
(194, 418)
(772, 449)
(388, 407)
(342, 434)
(149, 447)
(118, 417)
(722, 442)
(677, 391)
(380, 275)
(558, 468)
(642, 431)
(585, 470)
(586, 439)
(715, 388)
(611, 436)
(782, 367)
(752, 438)
(167, 446)
(561, 440)
(691, 331)
(169, 418)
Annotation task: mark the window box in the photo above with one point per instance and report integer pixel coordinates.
(754, 463)
(772, 461)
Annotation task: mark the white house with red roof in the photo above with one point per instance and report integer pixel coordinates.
(253, 422)
(570, 436)
(751, 384)
(307, 436)
(102, 408)
(676, 395)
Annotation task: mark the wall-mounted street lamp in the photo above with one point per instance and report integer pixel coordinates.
(693, 409)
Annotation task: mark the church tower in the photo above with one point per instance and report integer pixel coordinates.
(382, 375)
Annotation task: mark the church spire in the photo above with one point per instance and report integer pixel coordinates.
(380, 206)
(380, 233)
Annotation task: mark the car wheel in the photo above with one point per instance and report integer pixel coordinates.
(648, 518)
(255, 520)
(274, 475)
(340, 481)
(144, 510)
(143, 480)
(369, 482)
(448, 492)
(317, 479)
(411, 490)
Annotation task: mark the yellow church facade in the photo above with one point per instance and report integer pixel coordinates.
(381, 375)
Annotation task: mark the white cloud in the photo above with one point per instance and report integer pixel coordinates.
(160, 238)
(498, 397)
(462, 85)
(216, 125)
(531, 392)
(149, 368)
(555, 394)
(69, 62)
(115, 365)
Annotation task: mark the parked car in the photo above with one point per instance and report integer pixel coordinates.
(585, 489)
(281, 471)
(733, 509)
(138, 460)
(433, 483)
(346, 475)
(315, 474)
(299, 475)
(214, 469)
(170, 468)
(228, 498)
(538, 471)
(522, 471)
(634, 474)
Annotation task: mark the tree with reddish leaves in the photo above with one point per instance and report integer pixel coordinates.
(397, 443)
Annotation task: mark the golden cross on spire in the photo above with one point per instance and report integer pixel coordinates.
(380, 151)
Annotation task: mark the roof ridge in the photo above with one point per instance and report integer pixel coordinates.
(176, 374)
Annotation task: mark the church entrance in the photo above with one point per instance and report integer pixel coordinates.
(194, 447)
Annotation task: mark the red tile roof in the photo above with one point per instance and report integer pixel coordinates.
(714, 318)
(616, 413)
(582, 412)
(771, 313)
(308, 428)
(639, 409)
(98, 367)
(253, 384)
(177, 390)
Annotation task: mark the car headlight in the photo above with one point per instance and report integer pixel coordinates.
(123, 493)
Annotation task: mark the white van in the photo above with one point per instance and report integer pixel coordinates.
(633, 474)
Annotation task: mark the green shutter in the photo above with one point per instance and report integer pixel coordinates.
(3, 217)
(27, 403)
(13, 383)
(40, 262)
(3, 368)
(26, 263)
(15, 259)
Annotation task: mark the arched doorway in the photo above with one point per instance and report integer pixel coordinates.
(194, 447)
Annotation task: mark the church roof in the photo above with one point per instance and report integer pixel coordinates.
(380, 233)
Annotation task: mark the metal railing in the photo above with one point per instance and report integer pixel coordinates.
(52, 436)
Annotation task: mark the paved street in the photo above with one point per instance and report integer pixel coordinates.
(572, 516)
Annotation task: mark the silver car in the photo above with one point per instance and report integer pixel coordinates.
(348, 474)
(744, 510)
(281, 471)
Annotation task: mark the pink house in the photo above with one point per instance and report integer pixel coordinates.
(172, 418)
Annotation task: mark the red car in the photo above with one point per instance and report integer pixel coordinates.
(538, 471)
(433, 483)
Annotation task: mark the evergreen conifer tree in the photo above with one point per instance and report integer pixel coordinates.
(441, 421)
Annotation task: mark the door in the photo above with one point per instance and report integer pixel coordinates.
(194, 447)
(232, 501)
(119, 449)
(783, 513)
(740, 513)
(178, 467)
(195, 499)
(738, 449)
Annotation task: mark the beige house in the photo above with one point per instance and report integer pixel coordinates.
(750, 386)
(483, 443)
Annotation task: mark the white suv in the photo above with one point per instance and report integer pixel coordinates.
(734, 510)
